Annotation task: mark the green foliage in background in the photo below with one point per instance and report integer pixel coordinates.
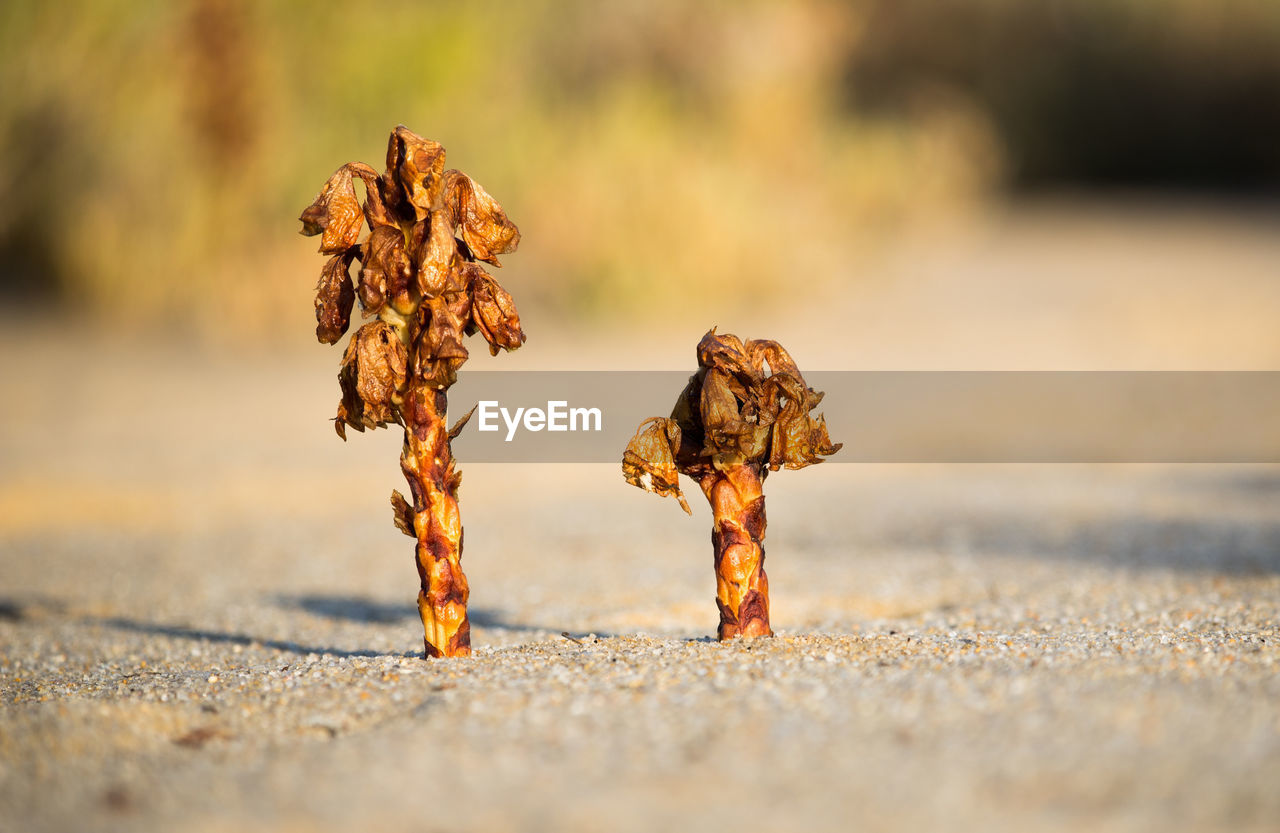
(656, 155)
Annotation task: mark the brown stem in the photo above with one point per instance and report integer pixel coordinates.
(427, 463)
(742, 588)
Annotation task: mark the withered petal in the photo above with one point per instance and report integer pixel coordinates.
(820, 440)
(335, 296)
(372, 377)
(724, 352)
(418, 166)
(649, 461)
(385, 275)
(402, 514)
(732, 424)
(435, 256)
(486, 229)
(462, 422)
(439, 351)
(336, 214)
(766, 354)
(377, 211)
(493, 312)
(381, 363)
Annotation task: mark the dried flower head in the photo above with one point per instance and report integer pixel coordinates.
(746, 404)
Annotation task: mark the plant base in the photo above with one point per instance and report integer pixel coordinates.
(742, 588)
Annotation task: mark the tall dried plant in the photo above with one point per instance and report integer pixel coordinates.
(421, 281)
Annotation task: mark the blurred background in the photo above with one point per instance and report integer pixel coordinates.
(877, 184)
(1093, 179)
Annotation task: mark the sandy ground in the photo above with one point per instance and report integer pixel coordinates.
(207, 622)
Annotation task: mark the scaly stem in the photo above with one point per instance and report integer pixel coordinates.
(427, 463)
(742, 588)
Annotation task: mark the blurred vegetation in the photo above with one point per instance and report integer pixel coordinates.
(156, 154)
(1181, 94)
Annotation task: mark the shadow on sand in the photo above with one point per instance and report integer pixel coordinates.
(224, 638)
(1221, 546)
(370, 611)
(350, 608)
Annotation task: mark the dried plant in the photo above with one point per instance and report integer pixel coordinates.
(424, 287)
(743, 414)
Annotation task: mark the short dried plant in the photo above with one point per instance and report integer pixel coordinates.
(745, 412)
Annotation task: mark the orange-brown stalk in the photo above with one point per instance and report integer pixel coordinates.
(423, 285)
(427, 463)
(737, 533)
(743, 414)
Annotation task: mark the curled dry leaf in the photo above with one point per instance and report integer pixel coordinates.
(335, 296)
(440, 351)
(386, 272)
(493, 312)
(402, 514)
(767, 355)
(372, 377)
(726, 353)
(457, 427)
(418, 164)
(376, 212)
(735, 423)
(436, 256)
(797, 439)
(485, 227)
(336, 214)
(649, 461)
